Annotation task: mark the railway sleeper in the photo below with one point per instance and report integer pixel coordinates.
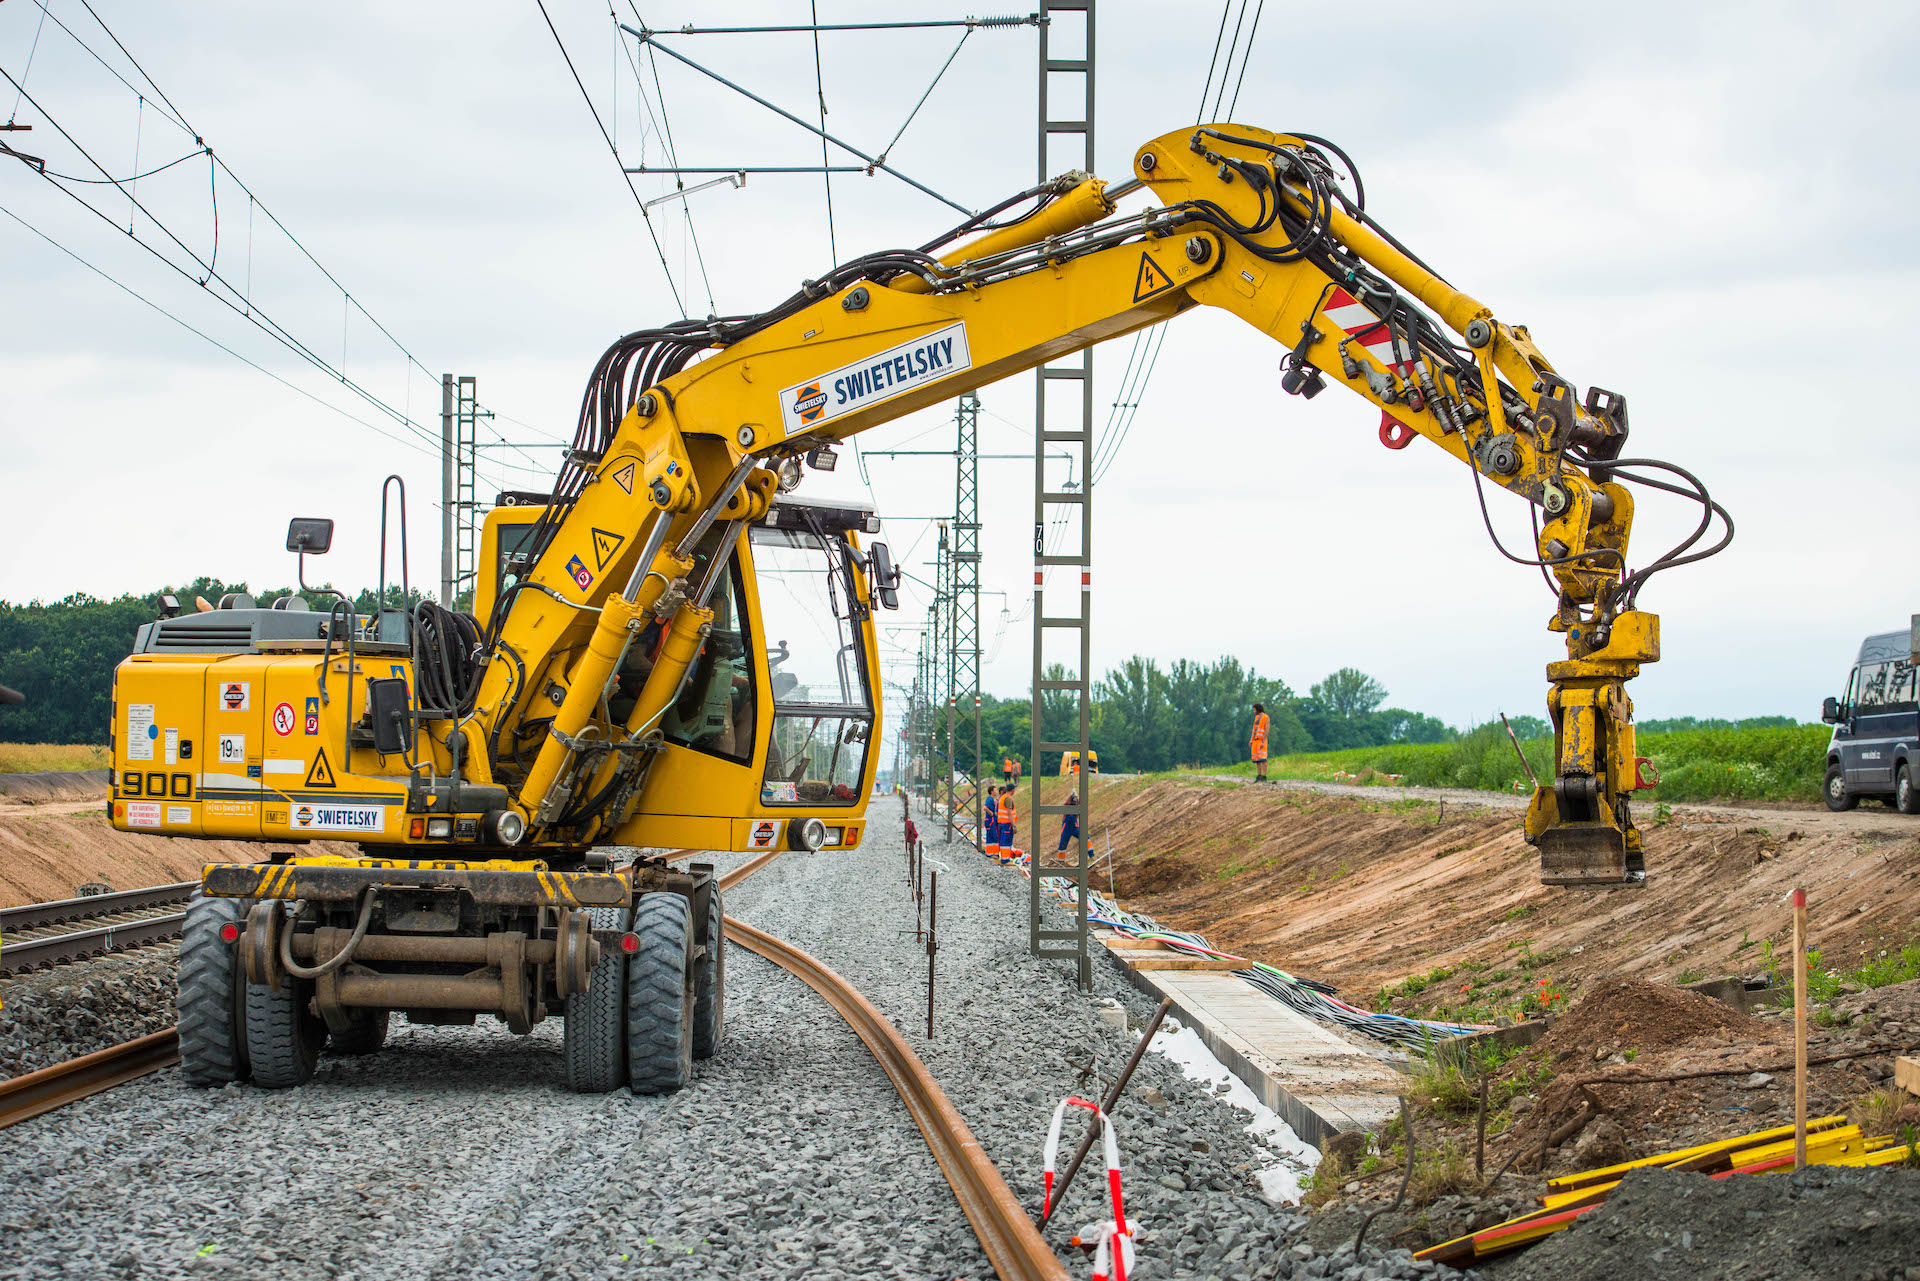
(332, 968)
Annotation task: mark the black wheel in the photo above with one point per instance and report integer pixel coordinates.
(660, 982)
(710, 984)
(212, 1044)
(595, 1037)
(284, 1035)
(366, 1034)
(1839, 799)
(1905, 798)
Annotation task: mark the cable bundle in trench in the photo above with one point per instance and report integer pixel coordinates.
(1305, 996)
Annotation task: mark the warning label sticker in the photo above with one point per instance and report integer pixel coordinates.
(879, 377)
(606, 544)
(764, 833)
(623, 477)
(140, 731)
(179, 815)
(321, 817)
(173, 747)
(236, 696)
(1150, 280)
(283, 719)
(321, 775)
(143, 814)
(582, 576)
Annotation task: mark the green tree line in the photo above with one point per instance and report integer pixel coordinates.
(1145, 717)
(61, 655)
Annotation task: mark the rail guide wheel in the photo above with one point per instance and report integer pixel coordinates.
(710, 983)
(661, 980)
(211, 995)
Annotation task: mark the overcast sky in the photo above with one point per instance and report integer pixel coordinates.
(1708, 208)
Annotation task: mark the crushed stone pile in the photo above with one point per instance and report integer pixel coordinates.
(1828, 1222)
(58, 1014)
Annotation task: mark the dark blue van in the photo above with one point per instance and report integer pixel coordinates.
(1876, 726)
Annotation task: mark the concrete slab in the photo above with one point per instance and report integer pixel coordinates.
(1317, 1082)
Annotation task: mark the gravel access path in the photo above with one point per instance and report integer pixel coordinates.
(457, 1152)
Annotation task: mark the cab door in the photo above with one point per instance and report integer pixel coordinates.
(1866, 744)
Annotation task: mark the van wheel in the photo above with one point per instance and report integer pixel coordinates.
(1905, 799)
(1839, 799)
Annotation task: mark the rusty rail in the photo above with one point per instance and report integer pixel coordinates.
(64, 1083)
(1013, 1245)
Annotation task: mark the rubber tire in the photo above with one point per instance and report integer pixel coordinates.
(710, 984)
(660, 982)
(367, 1034)
(1906, 797)
(213, 1047)
(1839, 800)
(283, 1035)
(595, 1037)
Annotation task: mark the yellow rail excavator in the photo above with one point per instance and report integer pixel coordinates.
(674, 649)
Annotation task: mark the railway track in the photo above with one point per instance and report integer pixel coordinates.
(38, 935)
(1012, 1244)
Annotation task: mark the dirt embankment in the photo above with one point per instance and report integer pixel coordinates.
(51, 846)
(1364, 893)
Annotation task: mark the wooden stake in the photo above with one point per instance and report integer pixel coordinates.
(1799, 1029)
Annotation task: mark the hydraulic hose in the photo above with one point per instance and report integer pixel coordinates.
(341, 957)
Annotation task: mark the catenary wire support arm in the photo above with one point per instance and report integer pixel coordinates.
(873, 162)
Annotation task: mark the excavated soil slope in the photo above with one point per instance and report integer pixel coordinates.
(48, 851)
(1363, 893)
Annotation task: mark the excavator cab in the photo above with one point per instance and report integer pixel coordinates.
(767, 743)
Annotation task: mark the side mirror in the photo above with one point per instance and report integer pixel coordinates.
(392, 718)
(309, 535)
(1830, 711)
(886, 576)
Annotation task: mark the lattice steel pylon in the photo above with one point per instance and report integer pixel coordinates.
(1072, 428)
(943, 602)
(460, 506)
(965, 662)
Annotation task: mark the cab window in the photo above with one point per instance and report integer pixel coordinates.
(817, 667)
(714, 712)
(1871, 685)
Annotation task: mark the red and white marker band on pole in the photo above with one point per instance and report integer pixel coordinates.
(1115, 1235)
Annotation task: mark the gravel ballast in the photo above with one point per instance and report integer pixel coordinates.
(54, 1015)
(457, 1151)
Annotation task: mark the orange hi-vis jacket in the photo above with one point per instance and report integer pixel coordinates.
(1259, 744)
(1007, 816)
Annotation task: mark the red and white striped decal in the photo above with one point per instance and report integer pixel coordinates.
(1353, 318)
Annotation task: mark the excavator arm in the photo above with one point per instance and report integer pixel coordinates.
(694, 424)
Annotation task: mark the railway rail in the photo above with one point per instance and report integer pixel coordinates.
(113, 922)
(1012, 1243)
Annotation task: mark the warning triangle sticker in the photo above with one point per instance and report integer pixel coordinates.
(624, 478)
(321, 775)
(1151, 279)
(605, 544)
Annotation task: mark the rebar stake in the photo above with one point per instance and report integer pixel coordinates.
(1108, 1104)
(933, 912)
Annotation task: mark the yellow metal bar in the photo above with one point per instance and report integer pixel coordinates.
(1084, 205)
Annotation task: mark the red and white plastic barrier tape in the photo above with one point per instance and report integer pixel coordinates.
(1113, 1254)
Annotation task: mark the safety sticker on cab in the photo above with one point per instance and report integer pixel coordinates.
(764, 833)
(339, 818)
(804, 406)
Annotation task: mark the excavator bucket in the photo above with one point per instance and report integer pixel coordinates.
(1589, 855)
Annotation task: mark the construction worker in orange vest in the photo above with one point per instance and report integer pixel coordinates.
(1261, 724)
(1007, 822)
(990, 821)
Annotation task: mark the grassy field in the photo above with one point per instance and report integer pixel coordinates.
(23, 758)
(1694, 765)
